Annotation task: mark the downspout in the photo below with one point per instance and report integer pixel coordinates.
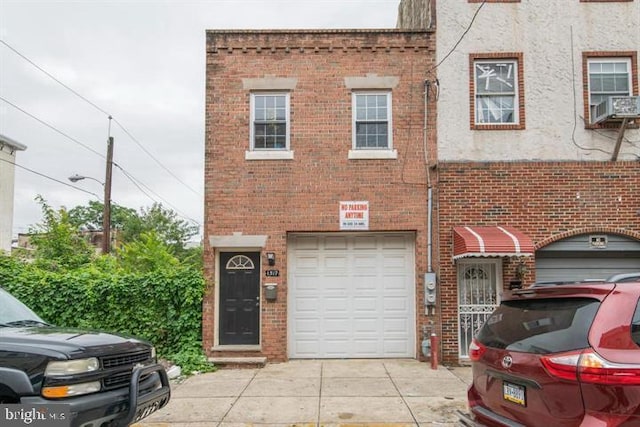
(427, 87)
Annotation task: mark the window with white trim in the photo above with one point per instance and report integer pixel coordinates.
(608, 77)
(496, 91)
(269, 121)
(372, 121)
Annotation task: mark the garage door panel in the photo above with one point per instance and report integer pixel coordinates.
(395, 242)
(395, 261)
(366, 325)
(392, 326)
(335, 242)
(334, 305)
(307, 328)
(396, 304)
(365, 242)
(396, 348)
(363, 287)
(307, 242)
(394, 285)
(365, 261)
(336, 262)
(365, 304)
(306, 305)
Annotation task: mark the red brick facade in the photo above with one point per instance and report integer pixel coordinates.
(277, 197)
(549, 201)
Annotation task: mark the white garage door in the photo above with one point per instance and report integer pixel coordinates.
(351, 296)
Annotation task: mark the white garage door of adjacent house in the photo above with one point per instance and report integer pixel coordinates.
(351, 295)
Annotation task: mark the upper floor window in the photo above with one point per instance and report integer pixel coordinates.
(372, 121)
(269, 121)
(608, 77)
(607, 74)
(497, 92)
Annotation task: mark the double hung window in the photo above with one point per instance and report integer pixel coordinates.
(605, 75)
(269, 121)
(372, 121)
(608, 77)
(496, 82)
(496, 91)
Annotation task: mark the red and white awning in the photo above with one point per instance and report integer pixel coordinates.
(490, 242)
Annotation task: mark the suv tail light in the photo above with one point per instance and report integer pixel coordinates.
(563, 366)
(476, 350)
(595, 369)
(590, 367)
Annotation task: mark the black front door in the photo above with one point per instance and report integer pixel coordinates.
(239, 298)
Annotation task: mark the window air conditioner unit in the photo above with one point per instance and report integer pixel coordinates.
(616, 107)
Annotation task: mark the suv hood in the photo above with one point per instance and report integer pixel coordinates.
(67, 342)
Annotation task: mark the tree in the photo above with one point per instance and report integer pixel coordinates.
(170, 229)
(90, 216)
(148, 253)
(58, 245)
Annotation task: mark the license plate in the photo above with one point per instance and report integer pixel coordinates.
(514, 393)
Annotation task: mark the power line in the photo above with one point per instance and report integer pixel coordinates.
(460, 39)
(52, 127)
(154, 158)
(139, 183)
(51, 178)
(102, 111)
(52, 77)
(127, 174)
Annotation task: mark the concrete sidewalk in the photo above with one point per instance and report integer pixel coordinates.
(319, 392)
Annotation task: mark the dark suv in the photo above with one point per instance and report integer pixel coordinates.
(559, 356)
(100, 379)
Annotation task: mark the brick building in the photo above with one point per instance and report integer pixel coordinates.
(316, 189)
(534, 181)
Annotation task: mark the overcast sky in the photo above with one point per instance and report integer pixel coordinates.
(143, 62)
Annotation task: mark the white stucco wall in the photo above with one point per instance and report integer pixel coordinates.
(8, 150)
(542, 31)
(6, 198)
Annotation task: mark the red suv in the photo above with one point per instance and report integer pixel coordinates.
(566, 355)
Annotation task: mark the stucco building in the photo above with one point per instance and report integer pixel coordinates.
(533, 182)
(316, 166)
(8, 150)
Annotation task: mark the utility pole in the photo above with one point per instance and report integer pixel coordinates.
(106, 215)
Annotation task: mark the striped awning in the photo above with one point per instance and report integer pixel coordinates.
(490, 242)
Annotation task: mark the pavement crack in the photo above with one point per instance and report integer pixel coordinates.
(237, 398)
(320, 394)
(415, 420)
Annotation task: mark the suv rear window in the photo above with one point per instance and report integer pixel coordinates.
(540, 326)
(635, 325)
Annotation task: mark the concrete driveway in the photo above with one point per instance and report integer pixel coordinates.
(319, 392)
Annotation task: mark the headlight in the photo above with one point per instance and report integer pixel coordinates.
(153, 353)
(70, 390)
(71, 367)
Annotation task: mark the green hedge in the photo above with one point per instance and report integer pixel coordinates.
(164, 307)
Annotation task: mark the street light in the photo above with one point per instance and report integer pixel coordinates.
(106, 215)
(76, 178)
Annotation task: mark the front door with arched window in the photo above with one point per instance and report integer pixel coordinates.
(479, 285)
(239, 298)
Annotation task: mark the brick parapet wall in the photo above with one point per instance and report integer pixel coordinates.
(548, 201)
(278, 197)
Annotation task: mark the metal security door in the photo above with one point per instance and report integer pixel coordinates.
(239, 298)
(479, 282)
